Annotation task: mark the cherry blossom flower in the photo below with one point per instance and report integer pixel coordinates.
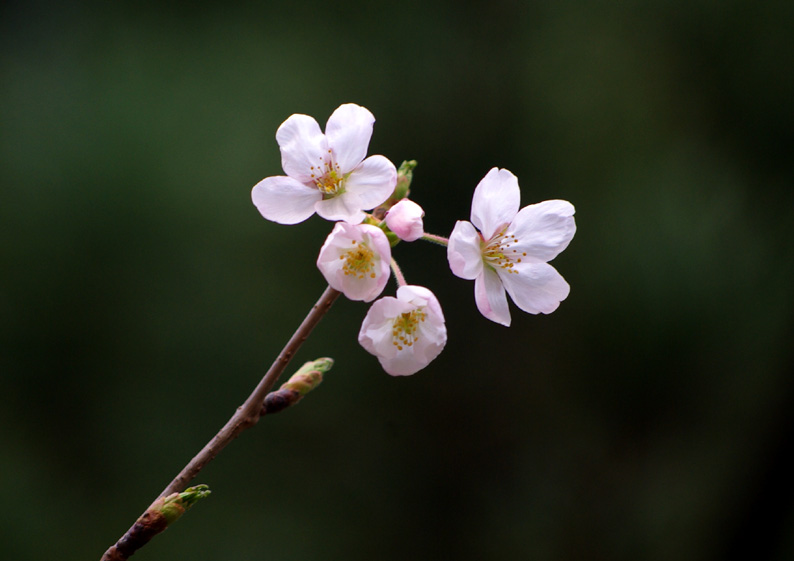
(512, 248)
(405, 220)
(407, 332)
(355, 260)
(326, 173)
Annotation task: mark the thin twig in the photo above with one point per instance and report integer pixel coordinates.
(244, 417)
(249, 412)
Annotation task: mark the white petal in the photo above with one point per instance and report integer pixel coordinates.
(407, 363)
(376, 329)
(379, 242)
(284, 200)
(349, 130)
(434, 329)
(489, 294)
(411, 360)
(496, 201)
(464, 252)
(537, 288)
(415, 295)
(302, 145)
(543, 230)
(373, 181)
(341, 207)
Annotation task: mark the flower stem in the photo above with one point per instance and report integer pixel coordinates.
(250, 411)
(432, 238)
(398, 274)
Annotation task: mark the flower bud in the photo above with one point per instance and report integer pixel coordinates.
(405, 220)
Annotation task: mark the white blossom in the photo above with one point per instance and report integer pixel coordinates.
(355, 260)
(504, 248)
(326, 173)
(407, 332)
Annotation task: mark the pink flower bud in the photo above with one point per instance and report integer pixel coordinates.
(405, 220)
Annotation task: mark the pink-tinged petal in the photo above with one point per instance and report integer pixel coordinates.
(464, 252)
(349, 130)
(379, 243)
(355, 260)
(393, 307)
(402, 364)
(537, 288)
(376, 334)
(543, 230)
(284, 200)
(341, 207)
(373, 181)
(416, 295)
(489, 294)
(405, 220)
(433, 329)
(496, 201)
(409, 363)
(303, 147)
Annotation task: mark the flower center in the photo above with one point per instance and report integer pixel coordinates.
(497, 252)
(359, 260)
(405, 328)
(328, 177)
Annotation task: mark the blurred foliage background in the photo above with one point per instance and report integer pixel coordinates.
(142, 296)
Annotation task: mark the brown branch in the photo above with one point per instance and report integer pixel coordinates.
(244, 417)
(249, 412)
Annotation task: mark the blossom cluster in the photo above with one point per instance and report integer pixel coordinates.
(504, 249)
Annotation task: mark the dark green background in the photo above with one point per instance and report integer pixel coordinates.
(142, 295)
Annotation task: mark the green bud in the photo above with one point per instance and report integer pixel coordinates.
(308, 376)
(405, 175)
(322, 364)
(302, 382)
(174, 506)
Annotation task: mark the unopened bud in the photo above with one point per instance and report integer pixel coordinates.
(405, 220)
(174, 506)
(405, 175)
(302, 382)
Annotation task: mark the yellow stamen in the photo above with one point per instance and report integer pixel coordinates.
(498, 255)
(405, 328)
(359, 261)
(328, 177)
